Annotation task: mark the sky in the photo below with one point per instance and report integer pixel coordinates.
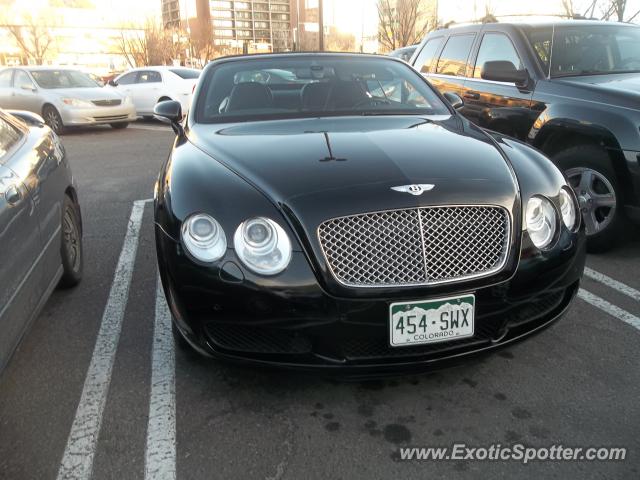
(354, 16)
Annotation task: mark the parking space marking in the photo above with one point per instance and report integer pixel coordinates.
(612, 283)
(77, 461)
(609, 308)
(160, 455)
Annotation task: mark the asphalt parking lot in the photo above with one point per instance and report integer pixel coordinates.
(97, 388)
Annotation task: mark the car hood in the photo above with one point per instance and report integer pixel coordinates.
(623, 89)
(97, 93)
(322, 168)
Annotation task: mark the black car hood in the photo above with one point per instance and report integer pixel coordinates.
(623, 88)
(322, 168)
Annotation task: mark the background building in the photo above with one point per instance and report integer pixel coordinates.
(251, 25)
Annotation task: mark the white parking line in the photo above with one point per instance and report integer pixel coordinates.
(77, 461)
(609, 308)
(612, 283)
(160, 456)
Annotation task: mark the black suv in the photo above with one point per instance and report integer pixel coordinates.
(569, 88)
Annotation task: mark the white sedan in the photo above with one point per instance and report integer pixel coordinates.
(149, 85)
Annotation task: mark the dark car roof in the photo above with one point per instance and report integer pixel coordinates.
(542, 23)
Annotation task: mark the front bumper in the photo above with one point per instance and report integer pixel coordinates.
(290, 321)
(98, 115)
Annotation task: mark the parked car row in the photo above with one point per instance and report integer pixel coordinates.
(66, 98)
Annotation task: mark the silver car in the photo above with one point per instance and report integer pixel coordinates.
(64, 97)
(40, 224)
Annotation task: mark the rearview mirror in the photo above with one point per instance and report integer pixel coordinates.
(454, 99)
(169, 112)
(504, 71)
(28, 87)
(113, 83)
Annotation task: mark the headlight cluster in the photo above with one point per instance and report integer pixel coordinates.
(542, 220)
(77, 103)
(568, 209)
(204, 238)
(260, 243)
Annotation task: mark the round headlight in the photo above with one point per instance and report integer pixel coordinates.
(263, 246)
(541, 221)
(204, 238)
(568, 209)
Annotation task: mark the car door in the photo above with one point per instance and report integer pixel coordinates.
(499, 106)
(149, 85)
(126, 84)
(25, 91)
(20, 242)
(452, 65)
(6, 88)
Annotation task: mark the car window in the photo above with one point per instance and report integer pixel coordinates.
(186, 73)
(21, 79)
(453, 60)
(301, 87)
(127, 78)
(496, 47)
(149, 77)
(428, 54)
(61, 79)
(5, 78)
(540, 39)
(9, 136)
(595, 50)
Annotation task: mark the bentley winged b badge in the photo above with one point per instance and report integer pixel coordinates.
(414, 189)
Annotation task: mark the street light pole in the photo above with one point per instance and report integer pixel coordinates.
(321, 23)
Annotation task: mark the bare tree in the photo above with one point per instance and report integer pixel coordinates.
(615, 9)
(403, 22)
(149, 46)
(567, 6)
(33, 38)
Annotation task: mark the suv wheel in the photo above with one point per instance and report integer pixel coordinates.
(589, 172)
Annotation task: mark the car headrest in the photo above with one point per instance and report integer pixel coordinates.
(249, 95)
(314, 96)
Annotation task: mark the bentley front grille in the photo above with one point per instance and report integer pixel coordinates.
(418, 246)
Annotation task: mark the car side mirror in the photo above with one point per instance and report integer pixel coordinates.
(454, 99)
(29, 118)
(113, 83)
(28, 87)
(504, 71)
(170, 112)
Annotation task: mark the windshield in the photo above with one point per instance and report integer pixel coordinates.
(63, 79)
(185, 73)
(313, 86)
(593, 50)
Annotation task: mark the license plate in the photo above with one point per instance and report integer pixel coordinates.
(431, 321)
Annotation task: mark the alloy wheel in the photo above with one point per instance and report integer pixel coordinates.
(71, 239)
(596, 196)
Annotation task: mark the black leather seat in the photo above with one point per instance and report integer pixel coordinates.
(249, 96)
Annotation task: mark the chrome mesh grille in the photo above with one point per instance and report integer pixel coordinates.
(418, 246)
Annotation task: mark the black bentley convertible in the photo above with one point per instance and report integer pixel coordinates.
(344, 217)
